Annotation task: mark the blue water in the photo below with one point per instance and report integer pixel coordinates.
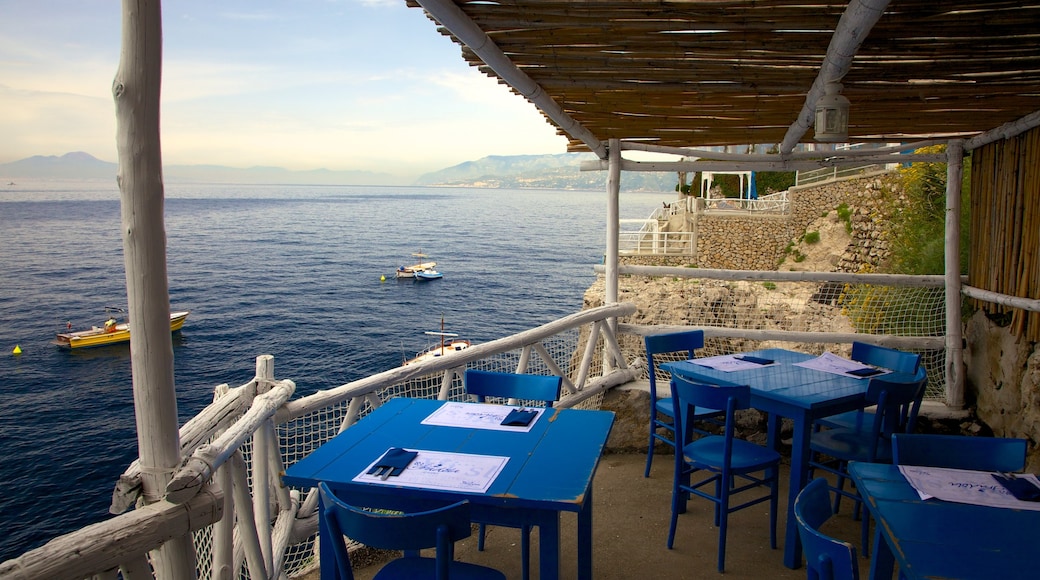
(292, 271)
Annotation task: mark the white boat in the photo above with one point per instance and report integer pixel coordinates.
(449, 343)
(428, 274)
(419, 266)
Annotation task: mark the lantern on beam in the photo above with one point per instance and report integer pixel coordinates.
(832, 115)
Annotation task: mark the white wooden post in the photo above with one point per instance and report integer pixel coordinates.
(613, 231)
(954, 335)
(136, 90)
(262, 441)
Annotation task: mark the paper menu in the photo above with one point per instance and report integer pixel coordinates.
(727, 363)
(832, 363)
(478, 416)
(964, 486)
(463, 472)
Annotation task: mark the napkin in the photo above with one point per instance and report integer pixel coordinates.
(864, 372)
(393, 462)
(1021, 488)
(756, 360)
(519, 417)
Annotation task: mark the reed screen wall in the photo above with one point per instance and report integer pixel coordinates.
(1005, 227)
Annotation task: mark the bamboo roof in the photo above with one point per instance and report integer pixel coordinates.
(726, 72)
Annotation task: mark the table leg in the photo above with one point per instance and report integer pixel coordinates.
(883, 562)
(799, 471)
(549, 546)
(585, 538)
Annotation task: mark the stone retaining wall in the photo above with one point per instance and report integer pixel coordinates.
(740, 241)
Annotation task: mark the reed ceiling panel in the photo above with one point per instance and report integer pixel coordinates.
(719, 72)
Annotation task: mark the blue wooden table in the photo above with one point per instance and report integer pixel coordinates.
(800, 394)
(940, 539)
(550, 470)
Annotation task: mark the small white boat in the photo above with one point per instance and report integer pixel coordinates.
(419, 266)
(428, 274)
(449, 343)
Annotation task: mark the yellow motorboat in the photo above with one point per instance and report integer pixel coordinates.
(111, 333)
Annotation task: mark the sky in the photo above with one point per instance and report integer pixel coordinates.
(304, 84)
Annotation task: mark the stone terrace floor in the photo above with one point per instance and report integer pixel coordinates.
(630, 522)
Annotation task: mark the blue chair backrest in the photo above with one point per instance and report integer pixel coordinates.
(826, 558)
(686, 340)
(959, 452)
(688, 395)
(542, 388)
(898, 402)
(438, 528)
(889, 358)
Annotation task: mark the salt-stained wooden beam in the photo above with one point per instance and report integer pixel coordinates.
(449, 15)
(201, 428)
(1005, 131)
(116, 541)
(199, 468)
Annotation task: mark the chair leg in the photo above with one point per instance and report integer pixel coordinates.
(481, 529)
(650, 451)
(677, 495)
(773, 505)
(722, 511)
(866, 534)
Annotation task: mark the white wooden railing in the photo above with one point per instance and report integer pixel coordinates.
(229, 492)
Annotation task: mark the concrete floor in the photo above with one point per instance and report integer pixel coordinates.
(630, 522)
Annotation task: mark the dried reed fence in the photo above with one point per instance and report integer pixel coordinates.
(1005, 239)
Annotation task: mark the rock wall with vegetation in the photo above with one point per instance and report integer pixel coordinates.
(761, 242)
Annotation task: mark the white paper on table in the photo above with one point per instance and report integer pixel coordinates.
(727, 363)
(463, 472)
(832, 363)
(965, 486)
(479, 416)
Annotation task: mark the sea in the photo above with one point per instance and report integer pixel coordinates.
(301, 272)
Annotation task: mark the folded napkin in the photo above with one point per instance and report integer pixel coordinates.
(1019, 487)
(393, 462)
(519, 417)
(756, 360)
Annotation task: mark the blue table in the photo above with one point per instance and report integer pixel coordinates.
(800, 394)
(550, 470)
(939, 539)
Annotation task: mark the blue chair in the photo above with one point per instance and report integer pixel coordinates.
(544, 389)
(826, 558)
(831, 450)
(727, 466)
(438, 528)
(888, 358)
(663, 408)
(959, 452)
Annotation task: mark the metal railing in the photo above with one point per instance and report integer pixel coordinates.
(772, 203)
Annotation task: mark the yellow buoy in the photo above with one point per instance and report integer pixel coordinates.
(17, 349)
(382, 278)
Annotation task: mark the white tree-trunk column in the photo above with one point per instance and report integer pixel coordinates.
(613, 231)
(136, 90)
(954, 334)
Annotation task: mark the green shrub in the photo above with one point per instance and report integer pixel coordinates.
(769, 285)
(812, 237)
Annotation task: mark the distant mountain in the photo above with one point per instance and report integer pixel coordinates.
(81, 165)
(559, 171)
(76, 165)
